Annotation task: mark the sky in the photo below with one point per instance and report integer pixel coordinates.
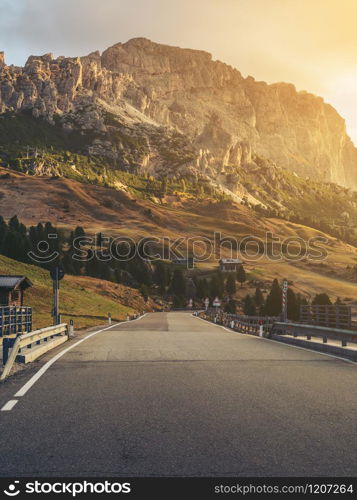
(311, 43)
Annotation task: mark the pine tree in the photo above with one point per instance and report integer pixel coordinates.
(273, 304)
(105, 272)
(145, 292)
(220, 282)
(179, 301)
(213, 287)
(10, 245)
(258, 297)
(216, 286)
(231, 285)
(321, 299)
(92, 265)
(178, 284)
(241, 276)
(79, 232)
(248, 306)
(99, 240)
(293, 305)
(3, 229)
(231, 306)
(14, 224)
(161, 277)
(202, 288)
(139, 269)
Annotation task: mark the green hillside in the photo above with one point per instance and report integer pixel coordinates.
(85, 300)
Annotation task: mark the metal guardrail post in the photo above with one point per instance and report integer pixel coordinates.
(11, 359)
(6, 345)
(71, 329)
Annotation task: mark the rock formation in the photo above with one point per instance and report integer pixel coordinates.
(228, 120)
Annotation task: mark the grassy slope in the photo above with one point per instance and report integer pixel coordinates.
(68, 203)
(86, 300)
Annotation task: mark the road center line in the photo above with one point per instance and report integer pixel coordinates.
(49, 363)
(9, 405)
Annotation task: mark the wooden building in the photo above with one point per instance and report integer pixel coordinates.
(229, 265)
(12, 290)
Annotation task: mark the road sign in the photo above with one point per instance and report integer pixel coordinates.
(216, 302)
(57, 273)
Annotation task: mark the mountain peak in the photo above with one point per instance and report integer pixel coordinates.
(228, 120)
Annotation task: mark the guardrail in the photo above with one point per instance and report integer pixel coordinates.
(298, 329)
(32, 345)
(15, 320)
(273, 328)
(253, 325)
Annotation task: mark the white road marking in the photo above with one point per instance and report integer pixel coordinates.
(283, 343)
(49, 363)
(9, 405)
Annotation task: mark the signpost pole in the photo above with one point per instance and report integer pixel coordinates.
(285, 301)
(55, 302)
(57, 274)
(57, 299)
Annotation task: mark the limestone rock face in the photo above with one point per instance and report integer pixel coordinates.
(229, 120)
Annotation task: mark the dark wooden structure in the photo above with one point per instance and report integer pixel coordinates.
(12, 289)
(230, 265)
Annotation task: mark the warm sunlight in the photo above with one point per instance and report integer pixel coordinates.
(178, 248)
(310, 43)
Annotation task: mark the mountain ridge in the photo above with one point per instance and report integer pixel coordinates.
(225, 120)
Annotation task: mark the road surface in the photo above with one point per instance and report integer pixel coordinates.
(172, 395)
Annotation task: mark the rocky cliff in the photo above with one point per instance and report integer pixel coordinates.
(178, 107)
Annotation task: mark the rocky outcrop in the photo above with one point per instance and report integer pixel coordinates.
(229, 120)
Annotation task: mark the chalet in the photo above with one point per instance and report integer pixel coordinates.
(12, 290)
(229, 265)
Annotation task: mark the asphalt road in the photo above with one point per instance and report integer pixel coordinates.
(173, 395)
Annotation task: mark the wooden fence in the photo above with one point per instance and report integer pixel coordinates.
(333, 316)
(14, 320)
